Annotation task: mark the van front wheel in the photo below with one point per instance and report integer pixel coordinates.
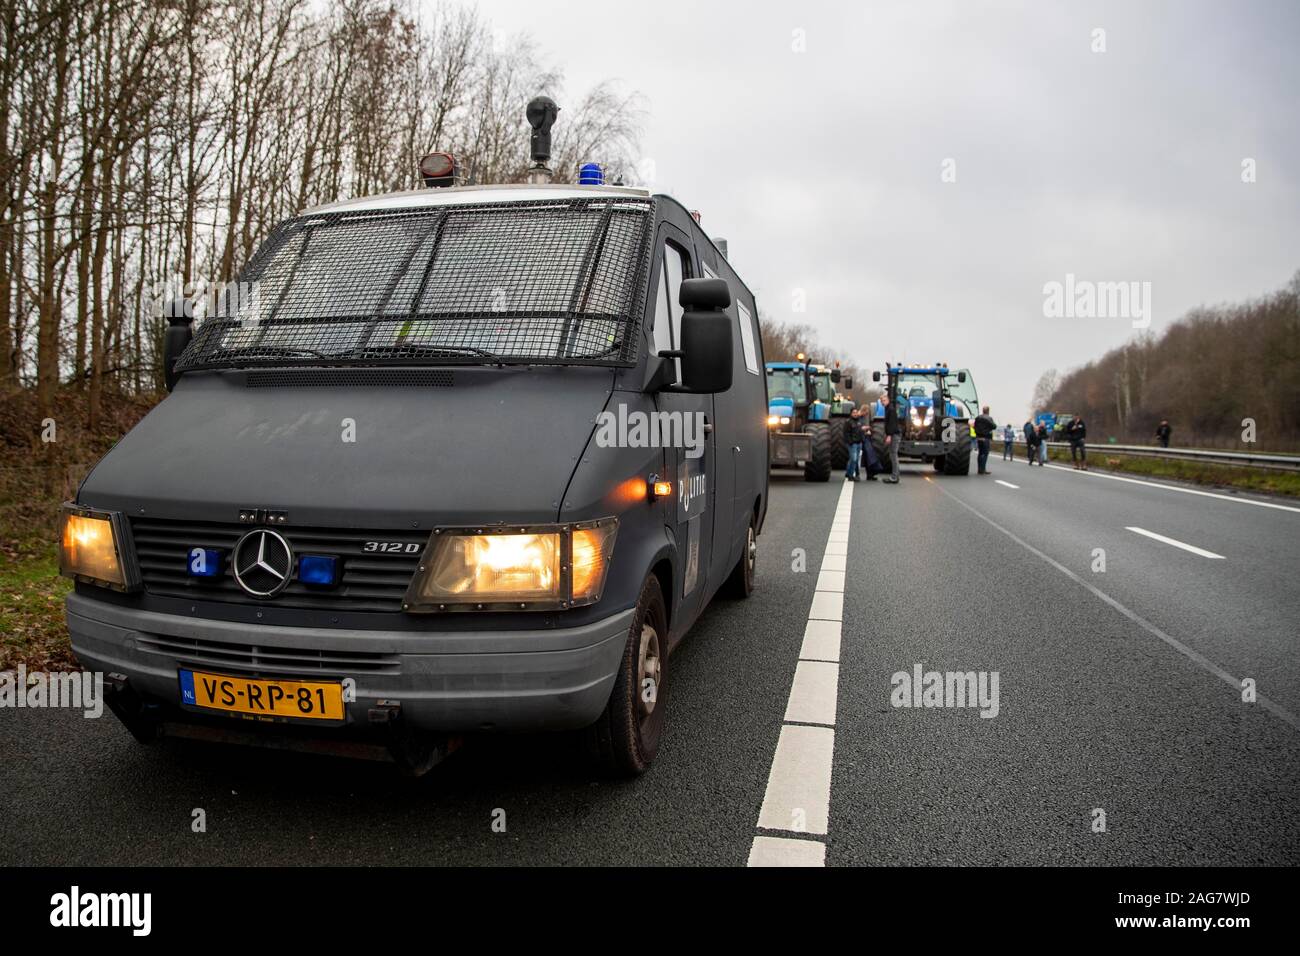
(625, 738)
(740, 583)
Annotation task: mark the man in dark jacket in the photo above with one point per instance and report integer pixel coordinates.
(1031, 442)
(1075, 433)
(984, 426)
(1163, 431)
(892, 437)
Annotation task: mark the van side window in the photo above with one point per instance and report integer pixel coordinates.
(747, 339)
(678, 268)
(663, 336)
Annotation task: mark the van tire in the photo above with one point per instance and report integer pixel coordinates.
(624, 739)
(957, 460)
(740, 583)
(818, 468)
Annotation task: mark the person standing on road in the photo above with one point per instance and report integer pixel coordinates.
(1042, 444)
(1076, 432)
(1163, 431)
(892, 433)
(1031, 442)
(1008, 443)
(853, 435)
(984, 427)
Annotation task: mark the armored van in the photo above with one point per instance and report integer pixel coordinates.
(449, 460)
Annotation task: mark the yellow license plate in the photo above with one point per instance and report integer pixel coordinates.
(310, 700)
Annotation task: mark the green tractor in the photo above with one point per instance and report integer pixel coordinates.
(805, 417)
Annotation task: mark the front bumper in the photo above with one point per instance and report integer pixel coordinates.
(922, 448)
(443, 681)
(789, 448)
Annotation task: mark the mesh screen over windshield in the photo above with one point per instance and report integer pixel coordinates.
(545, 281)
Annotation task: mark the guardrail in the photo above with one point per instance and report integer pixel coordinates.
(1244, 459)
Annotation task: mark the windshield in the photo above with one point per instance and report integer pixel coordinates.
(823, 388)
(915, 386)
(532, 281)
(786, 383)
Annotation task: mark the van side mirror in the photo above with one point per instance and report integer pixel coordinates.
(707, 343)
(180, 329)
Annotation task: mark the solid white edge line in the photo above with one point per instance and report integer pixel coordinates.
(1186, 491)
(1177, 544)
(1276, 710)
(786, 851)
(813, 693)
(799, 785)
(798, 793)
(821, 641)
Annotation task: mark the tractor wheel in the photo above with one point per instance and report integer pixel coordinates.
(878, 443)
(957, 461)
(818, 468)
(839, 447)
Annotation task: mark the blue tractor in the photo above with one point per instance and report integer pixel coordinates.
(803, 408)
(935, 409)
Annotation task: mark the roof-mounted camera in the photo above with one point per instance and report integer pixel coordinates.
(541, 113)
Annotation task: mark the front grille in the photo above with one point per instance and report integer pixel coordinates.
(256, 660)
(368, 581)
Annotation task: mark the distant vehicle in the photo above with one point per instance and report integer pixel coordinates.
(935, 408)
(1056, 424)
(377, 512)
(802, 406)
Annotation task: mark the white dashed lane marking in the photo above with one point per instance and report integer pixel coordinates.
(1175, 543)
(1006, 484)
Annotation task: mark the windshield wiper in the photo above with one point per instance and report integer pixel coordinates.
(402, 349)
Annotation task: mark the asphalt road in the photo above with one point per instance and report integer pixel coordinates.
(1118, 691)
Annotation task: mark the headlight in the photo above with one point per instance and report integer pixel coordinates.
(91, 549)
(785, 420)
(534, 568)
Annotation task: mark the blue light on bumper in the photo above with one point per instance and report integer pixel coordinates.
(205, 563)
(319, 569)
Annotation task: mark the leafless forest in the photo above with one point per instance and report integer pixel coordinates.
(150, 145)
(1206, 374)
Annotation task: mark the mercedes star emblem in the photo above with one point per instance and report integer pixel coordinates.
(263, 563)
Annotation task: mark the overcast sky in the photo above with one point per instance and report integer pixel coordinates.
(823, 168)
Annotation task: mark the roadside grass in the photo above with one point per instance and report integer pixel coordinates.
(1195, 472)
(36, 477)
(32, 628)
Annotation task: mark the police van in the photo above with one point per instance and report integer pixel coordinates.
(412, 486)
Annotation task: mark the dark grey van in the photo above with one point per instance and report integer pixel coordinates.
(419, 476)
